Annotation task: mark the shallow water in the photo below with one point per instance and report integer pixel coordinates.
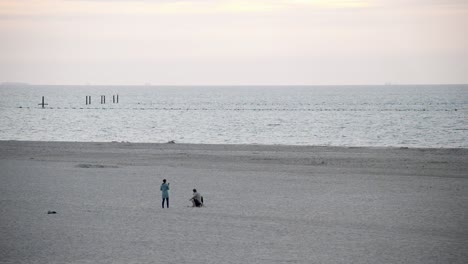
(396, 115)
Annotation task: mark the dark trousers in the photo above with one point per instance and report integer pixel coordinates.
(167, 202)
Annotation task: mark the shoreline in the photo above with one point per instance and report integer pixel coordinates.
(236, 145)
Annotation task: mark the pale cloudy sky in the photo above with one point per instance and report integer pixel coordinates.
(234, 42)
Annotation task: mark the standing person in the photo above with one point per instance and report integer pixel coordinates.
(197, 199)
(165, 193)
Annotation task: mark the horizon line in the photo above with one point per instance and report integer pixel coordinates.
(226, 85)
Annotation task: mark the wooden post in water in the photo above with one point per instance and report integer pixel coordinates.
(117, 98)
(86, 100)
(113, 99)
(43, 102)
(90, 99)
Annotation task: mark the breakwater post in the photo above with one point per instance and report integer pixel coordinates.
(103, 99)
(115, 99)
(43, 102)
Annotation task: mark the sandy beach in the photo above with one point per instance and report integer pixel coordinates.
(264, 204)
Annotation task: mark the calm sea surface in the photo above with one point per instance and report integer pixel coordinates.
(396, 115)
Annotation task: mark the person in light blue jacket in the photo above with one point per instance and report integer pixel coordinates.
(165, 193)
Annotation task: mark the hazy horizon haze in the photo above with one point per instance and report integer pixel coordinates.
(257, 42)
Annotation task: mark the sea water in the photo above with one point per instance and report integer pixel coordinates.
(387, 115)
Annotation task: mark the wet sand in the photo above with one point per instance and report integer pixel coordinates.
(264, 204)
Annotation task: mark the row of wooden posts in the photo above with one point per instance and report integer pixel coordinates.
(115, 100)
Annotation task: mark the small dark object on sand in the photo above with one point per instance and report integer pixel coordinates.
(171, 142)
(51, 212)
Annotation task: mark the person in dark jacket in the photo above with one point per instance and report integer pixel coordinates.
(197, 199)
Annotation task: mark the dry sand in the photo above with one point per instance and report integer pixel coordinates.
(264, 204)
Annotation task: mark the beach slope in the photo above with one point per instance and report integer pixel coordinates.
(264, 204)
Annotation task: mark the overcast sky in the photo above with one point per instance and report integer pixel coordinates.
(197, 42)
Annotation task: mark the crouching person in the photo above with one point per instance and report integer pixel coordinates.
(197, 199)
